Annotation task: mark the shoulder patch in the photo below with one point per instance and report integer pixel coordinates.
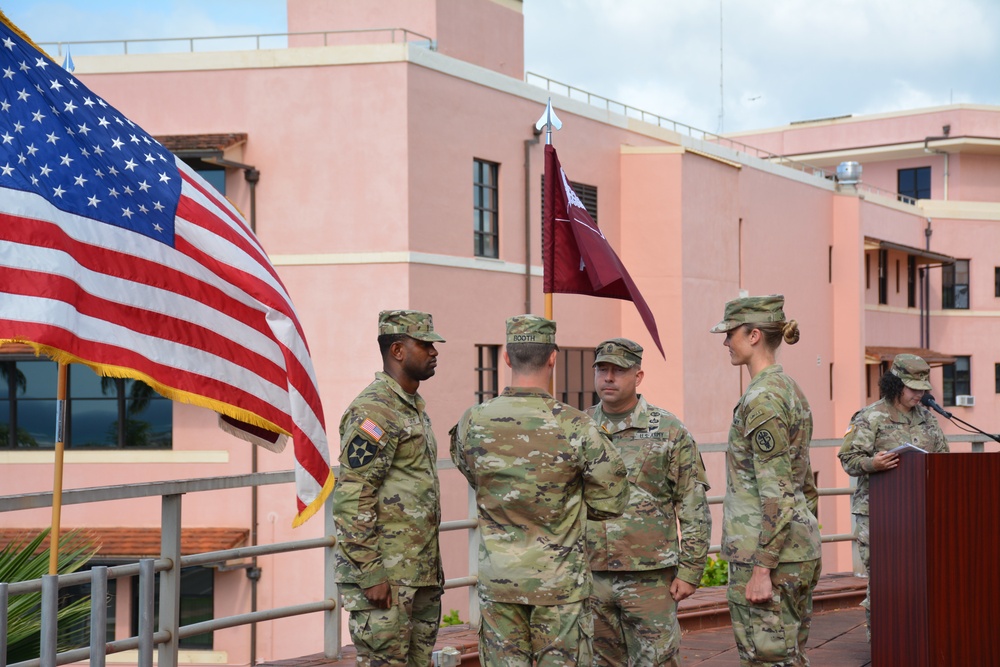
(764, 440)
(360, 452)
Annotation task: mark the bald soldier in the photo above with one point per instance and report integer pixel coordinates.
(640, 569)
(540, 469)
(387, 503)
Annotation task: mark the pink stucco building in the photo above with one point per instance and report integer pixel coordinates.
(400, 169)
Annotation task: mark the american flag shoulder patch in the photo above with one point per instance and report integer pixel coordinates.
(372, 429)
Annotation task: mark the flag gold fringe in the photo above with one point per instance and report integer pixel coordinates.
(17, 31)
(108, 370)
(316, 504)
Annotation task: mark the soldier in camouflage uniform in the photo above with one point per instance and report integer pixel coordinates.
(770, 534)
(896, 418)
(640, 572)
(387, 503)
(539, 469)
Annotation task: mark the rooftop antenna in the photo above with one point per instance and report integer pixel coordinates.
(722, 97)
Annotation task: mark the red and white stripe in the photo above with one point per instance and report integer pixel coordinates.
(208, 318)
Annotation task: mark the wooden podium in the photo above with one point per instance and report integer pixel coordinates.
(935, 541)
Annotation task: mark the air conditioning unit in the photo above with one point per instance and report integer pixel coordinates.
(965, 401)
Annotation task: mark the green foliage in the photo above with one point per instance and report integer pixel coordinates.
(716, 573)
(22, 562)
(451, 618)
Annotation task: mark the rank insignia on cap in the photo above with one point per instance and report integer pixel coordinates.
(372, 429)
(360, 452)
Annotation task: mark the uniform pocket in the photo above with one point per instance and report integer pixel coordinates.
(346, 496)
(761, 634)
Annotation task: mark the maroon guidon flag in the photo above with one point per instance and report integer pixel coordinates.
(116, 255)
(576, 257)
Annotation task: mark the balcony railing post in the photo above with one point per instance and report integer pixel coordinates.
(473, 560)
(3, 624)
(147, 581)
(332, 617)
(50, 612)
(98, 615)
(170, 580)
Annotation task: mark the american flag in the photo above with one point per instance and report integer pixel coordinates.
(115, 254)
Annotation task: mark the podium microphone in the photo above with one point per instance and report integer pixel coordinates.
(929, 402)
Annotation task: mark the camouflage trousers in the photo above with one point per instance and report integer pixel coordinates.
(861, 535)
(521, 635)
(773, 633)
(402, 635)
(635, 619)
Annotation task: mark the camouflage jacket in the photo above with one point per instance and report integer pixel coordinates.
(880, 427)
(539, 468)
(667, 483)
(387, 502)
(769, 515)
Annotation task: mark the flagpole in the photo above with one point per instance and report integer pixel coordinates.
(57, 483)
(548, 120)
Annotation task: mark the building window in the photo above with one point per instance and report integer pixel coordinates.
(575, 377)
(911, 281)
(914, 183)
(996, 281)
(996, 376)
(586, 193)
(883, 276)
(957, 380)
(197, 605)
(213, 173)
(487, 372)
(101, 412)
(78, 634)
(486, 206)
(955, 285)
(868, 271)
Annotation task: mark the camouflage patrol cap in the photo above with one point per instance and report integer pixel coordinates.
(751, 310)
(413, 323)
(913, 371)
(620, 352)
(530, 329)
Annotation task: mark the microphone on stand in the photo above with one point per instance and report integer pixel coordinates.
(929, 402)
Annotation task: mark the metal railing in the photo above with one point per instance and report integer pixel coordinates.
(622, 109)
(256, 42)
(166, 636)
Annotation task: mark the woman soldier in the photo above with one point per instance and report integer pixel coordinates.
(895, 419)
(770, 535)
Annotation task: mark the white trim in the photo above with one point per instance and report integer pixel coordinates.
(941, 312)
(127, 456)
(404, 257)
(183, 657)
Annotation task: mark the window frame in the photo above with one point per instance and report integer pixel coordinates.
(574, 377)
(487, 372)
(952, 297)
(956, 380)
(485, 209)
(908, 182)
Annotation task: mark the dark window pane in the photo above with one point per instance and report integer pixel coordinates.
(196, 604)
(94, 423)
(575, 377)
(100, 412)
(914, 183)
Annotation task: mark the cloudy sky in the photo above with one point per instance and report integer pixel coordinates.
(781, 60)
